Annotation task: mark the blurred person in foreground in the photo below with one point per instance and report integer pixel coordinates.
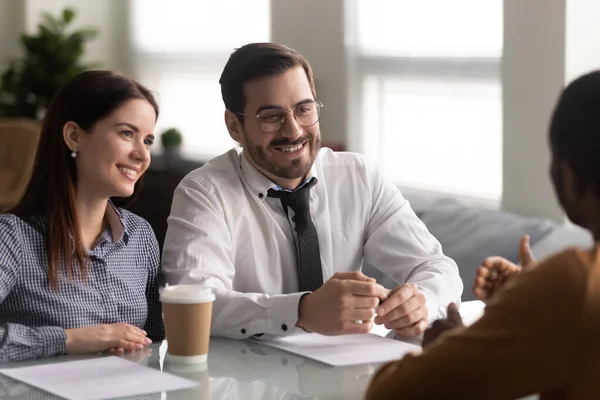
(541, 327)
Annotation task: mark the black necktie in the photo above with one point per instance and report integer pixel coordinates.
(310, 275)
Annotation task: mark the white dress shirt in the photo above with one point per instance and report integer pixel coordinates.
(226, 232)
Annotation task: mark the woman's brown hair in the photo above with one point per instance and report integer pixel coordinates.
(51, 192)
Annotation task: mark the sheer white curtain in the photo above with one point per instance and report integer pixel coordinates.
(430, 93)
(179, 50)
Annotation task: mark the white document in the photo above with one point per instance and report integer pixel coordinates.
(380, 330)
(98, 378)
(343, 350)
(471, 311)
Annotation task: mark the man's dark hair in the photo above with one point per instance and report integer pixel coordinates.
(575, 130)
(254, 61)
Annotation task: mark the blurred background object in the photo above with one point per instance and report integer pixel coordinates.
(171, 141)
(50, 57)
(18, 144)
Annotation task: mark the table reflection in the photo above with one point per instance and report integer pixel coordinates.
(250, 370)
(244, 370)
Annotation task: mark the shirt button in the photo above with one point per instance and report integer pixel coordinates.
(243, 331)
(260, 195)
(284, 327)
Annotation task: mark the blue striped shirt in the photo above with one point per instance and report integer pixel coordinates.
(121, 286)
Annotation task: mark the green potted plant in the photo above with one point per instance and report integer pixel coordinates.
(171, 140)
(51, 56)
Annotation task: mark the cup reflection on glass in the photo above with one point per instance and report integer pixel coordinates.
(187, 312)
(194, 372)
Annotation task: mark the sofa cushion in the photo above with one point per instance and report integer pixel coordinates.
(468, 234)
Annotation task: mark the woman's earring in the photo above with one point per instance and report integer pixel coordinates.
(73, 154)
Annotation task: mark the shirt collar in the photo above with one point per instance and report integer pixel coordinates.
(260, 184)
(117, 227)
(116, 222)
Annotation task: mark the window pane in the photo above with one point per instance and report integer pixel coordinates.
(430, 28)
(430, 91)
(436, 134)
(180, 49)
(190, 99)
(184, 26)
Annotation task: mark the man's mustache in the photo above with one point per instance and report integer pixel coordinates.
(283, 142)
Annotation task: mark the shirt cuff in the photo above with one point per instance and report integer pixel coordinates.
(282, 314)
(433, 309)
(54, 341)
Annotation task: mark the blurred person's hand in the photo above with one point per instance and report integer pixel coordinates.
(494, 272)
(452, 321)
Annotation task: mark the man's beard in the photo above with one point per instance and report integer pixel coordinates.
(298, 168)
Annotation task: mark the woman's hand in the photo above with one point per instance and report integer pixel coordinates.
(98, 338)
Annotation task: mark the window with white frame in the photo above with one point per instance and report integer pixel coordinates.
(179, 50)
(430, 92)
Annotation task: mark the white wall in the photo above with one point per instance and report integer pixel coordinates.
(533, 74)
(583, 37)
(316, 29)
(547, 43)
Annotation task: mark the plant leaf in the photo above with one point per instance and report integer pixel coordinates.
(68, 15)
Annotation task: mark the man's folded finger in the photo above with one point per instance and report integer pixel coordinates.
(365, 288)
(365, 302)
(408, 319)
(354, 275)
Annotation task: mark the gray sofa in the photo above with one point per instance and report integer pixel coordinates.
(469, 234)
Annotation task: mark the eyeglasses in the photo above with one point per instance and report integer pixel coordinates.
(306, 114)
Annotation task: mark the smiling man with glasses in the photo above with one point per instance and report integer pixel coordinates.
(281, 227)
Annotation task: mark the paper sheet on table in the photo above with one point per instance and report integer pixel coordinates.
(380, 330)
(98, 378)
(343, 350)
(471, 311)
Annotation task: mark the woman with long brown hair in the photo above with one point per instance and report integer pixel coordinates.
(78, 274)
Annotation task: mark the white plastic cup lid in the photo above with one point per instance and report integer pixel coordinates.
(186, 294)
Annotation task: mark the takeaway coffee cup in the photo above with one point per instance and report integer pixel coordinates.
(187, 312)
